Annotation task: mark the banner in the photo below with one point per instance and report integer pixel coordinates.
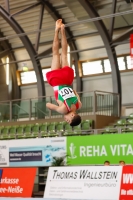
(4, 154)
(131, 45)
(79, 150)
(30, 199)
(86, 150)
(99, 183)
(131, 50)
(17, 182)
(126, 192)
(36, 152)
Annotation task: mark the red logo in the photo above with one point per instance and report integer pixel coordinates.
(126, 190)
(131, 45)
(17, 182)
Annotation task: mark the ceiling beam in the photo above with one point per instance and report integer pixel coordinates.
(74, 38)
(123, 36)
(26, 9)
(47, 54)
(49, 51)
(112, 20)
(39, 27)
(5, 53)
(7, 6)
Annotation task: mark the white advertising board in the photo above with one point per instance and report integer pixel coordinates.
(99, 183)
(4, 154)
(35, 152)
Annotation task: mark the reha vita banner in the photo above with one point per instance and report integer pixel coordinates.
(83, 150)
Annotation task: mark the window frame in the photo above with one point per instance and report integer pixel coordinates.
(80, 68)
(102, 60)
(18, 73)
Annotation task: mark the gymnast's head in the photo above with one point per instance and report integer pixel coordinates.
(72, 118)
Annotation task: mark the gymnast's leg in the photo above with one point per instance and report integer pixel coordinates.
(64, 59)
(56, 56)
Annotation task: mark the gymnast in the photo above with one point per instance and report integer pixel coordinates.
(61, 78)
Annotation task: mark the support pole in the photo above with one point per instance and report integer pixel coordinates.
(7, 7)
(39, 27)
(112, 19)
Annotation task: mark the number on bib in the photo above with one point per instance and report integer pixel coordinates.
(66, 93)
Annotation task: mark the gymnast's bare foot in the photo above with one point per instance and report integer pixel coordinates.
(58, 24)
(62, 27)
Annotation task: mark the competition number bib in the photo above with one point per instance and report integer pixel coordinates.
(66, 93)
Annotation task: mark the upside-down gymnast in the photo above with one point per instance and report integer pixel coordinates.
(60, 78)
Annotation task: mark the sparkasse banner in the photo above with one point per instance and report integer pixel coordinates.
(82, 150)
(17, 182)
(99, 183)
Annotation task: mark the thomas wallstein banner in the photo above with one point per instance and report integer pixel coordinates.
(96, 149)
(99, 183)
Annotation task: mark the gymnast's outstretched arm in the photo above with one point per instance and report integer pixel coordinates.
(59, 109)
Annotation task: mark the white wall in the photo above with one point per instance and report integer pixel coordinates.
(104, 83)
(127, 87)
(31, 91)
